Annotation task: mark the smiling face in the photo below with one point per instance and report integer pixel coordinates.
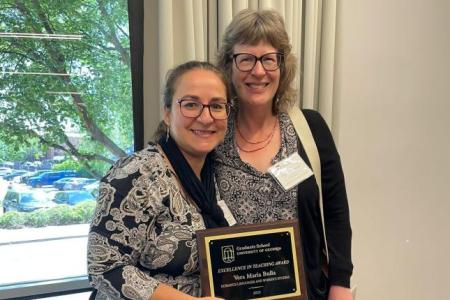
(196, 137)
(258, 86)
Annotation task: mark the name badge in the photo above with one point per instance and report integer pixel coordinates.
(227, 213)
(290, 171)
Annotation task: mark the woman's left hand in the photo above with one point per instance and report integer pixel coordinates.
(340, 293)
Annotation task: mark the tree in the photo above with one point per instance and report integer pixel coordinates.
(19, 152)
(87, 87)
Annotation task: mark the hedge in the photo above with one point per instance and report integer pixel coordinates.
(59, 215)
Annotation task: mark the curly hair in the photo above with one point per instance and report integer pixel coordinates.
(172, 78)
(251, 27)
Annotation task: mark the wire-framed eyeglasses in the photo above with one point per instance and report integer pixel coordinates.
(245, 62)
(192, 108)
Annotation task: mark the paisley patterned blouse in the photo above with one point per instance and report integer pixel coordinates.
(143, 231)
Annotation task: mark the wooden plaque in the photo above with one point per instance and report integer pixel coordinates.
(258, 261)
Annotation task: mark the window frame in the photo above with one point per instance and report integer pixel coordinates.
(46, 288)
(78, 284)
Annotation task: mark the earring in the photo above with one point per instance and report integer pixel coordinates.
(167, 133)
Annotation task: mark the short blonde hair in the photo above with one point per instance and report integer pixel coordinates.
(251, 27)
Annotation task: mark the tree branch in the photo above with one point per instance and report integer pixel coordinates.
(125, 57)
(60, 67)
(72, 151)
(123, 32)
(16, 53)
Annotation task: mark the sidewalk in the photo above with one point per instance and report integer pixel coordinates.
(48, 253)
(15, 236)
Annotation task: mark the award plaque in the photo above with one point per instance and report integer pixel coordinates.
(258, 261)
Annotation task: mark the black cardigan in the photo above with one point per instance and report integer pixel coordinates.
(336, 211)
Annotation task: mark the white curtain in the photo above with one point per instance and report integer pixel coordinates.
(180, 30)
(318, 57)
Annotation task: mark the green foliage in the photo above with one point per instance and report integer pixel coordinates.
(101, 167)
(36, 219)
(63, 215)
(12, 220)
(68, 164)
(58, 215)
(30, 150)
(85, 210)
(94, 116)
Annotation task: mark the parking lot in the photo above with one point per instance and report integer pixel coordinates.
(3, 189)
(46, 253)
(31, 191)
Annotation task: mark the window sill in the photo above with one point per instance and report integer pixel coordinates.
(48, 288)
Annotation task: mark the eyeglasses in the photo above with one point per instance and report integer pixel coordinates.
(191, 108)
(245, 62)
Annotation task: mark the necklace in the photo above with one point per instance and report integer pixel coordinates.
(269, 136)
(267, 140)
(252, 150)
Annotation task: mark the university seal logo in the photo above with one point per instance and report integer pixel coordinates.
(228, 254)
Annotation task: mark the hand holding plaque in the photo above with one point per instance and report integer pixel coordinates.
(258, 261)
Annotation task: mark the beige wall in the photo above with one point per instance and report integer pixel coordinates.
(390, 106)
(392, 100)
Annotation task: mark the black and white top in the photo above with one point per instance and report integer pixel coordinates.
(255, 197)
(143, 231)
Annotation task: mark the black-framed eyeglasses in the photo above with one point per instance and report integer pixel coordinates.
(245, 62)
(192, 108)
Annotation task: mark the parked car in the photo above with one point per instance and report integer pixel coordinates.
(72, 183)
(72, 197)
(24, 178)
(32, 165)
(26, 200)
(92, 188)
(60, 183)
(47, 178)
(13, 174)
(8, 164)
(5, 171)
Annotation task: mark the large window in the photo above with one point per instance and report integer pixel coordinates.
(65, 117)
